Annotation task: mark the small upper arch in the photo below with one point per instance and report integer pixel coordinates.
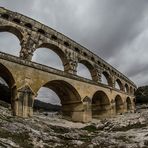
(12, 30)
(89, 66)
(55, 49)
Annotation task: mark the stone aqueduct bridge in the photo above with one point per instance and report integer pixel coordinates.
(81, 98)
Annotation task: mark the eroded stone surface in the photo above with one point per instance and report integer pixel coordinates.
(129, 130)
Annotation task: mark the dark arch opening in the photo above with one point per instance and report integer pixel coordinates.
(28, 25)
(118, 104)
(85, 69)
(7, 86)
(129, 104)
(119, 85)
(66, 43)
(50, 55)
(106, 79)
(41, 31)
(5, 16)
(16, 20)
(126, 88)
(100, 104)
(68, 95)
(54, 37)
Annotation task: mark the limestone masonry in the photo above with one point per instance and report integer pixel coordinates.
(81, 98)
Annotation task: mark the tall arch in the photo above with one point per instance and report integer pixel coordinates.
(107, 77)
(7, 76)
(119, 85)
(100, 104)
(68, 95)
(89, 72)
(118, 104)
(56, 50)
(129, 103)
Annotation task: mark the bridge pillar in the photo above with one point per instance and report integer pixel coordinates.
(130, 107)
(87, 117)
(78, 111)
(96, 74)
(28, 46)
(24, 102)
(71, 67)
(113, 108)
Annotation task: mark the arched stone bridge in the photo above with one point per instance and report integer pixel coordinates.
(81, 98)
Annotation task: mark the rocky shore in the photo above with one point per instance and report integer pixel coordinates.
(50, 130)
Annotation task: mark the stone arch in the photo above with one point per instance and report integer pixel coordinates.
(118, 104)
(9, 79)
(119, 83)
(129, 103)
(7, 75)
(100, 104)
(56, 50)
(12, 30)
(126, 88)
(69, 96)
(108, 78)
(89, 66)
(131, 90)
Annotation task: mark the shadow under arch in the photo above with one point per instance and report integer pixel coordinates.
(12, 30)
(68, 95)
(55, 49)
(129, 103)
(89, 66)
(108, 78)
(127, 88)
(118, 104)
(100, 104)
(7, 76)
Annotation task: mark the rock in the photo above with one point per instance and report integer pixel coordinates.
(51, 131)
(8, 143)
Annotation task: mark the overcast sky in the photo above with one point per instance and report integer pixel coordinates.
(116, 30)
